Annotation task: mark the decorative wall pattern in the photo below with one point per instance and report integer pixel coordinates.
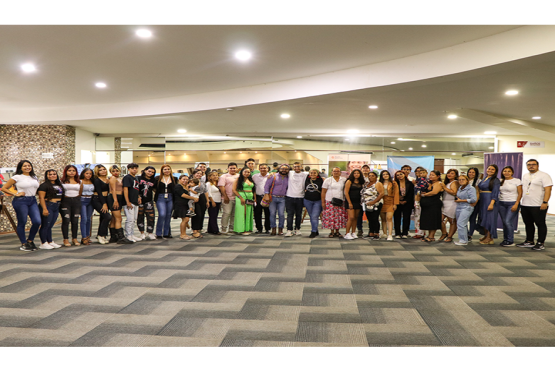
(29, 142)
(117, 148)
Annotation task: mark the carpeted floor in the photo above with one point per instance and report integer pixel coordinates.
(274, 291)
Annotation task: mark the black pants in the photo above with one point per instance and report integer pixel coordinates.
(146, 208)
(200, 210)
(258, 215)
(105, 218)
(534, 215)
(403, 212)
(70, 210)
(294, 207)
(213, 218)
(374, 219)
(359, 221)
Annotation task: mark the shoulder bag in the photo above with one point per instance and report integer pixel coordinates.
(264, 203)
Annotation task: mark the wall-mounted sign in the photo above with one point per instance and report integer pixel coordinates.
(528, 144)
(48, 155)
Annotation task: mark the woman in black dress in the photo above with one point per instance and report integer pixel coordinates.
(406, 204)
(431, 204)
(353, 187)
(200, 206)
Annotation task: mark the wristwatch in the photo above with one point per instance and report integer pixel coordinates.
(545, 202)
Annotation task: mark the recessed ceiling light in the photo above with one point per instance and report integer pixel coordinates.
(424, 146)
(28, 67)
(452, 117)
(243, 55)
(285, 115)
(511, 92)
(143, 33)
(490, 132)
(453, 154)
(536, 117)
(100, 85)
(353, 131)
(410, 148)
(181, 131)
(490, 147)
(392, 142)
(230, 109)
(373, 107)
(299, 136)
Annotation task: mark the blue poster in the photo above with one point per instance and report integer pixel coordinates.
(395, 163)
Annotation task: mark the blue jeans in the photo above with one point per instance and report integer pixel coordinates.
(165, 207)
(278, 203)
(463, 215)
(508, 218)
(314, 209)
(86, 216)
(48, 222)
(26, 206)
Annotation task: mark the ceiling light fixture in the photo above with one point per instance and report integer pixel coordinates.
(299, 136)
(399, 138)
(410, 148)
(424, 146)
(490, 147)
(285, 115)
(392, 142)
(100, 85)
(143, 33)
(536, 117)
(511, 92)
(373, 107)
(490, 132)
(243, 55)
(353, 131)
(229, 109)
(452, 117)
(181, 131)
(28, 68)
(453, 154)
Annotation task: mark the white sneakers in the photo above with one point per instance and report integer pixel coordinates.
(143, 236)
(348, 236)
(298, 232)
(289, 234)
(102, 240)
(354, 236)
(389, 238)
(134, 238)
(54, 245)
(151, 236)
(46, 246)
(459, 243)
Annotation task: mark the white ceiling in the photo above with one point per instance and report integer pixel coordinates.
(184, 62)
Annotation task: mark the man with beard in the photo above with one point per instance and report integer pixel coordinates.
(276, 189)
(225, 184)
(294, 199)
(260, 180)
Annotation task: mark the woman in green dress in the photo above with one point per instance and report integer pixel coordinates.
(244, 191)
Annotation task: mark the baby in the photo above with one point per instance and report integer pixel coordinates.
(193, 191)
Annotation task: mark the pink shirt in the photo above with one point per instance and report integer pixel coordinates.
(227, 181)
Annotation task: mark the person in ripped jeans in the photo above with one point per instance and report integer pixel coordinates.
(146, 208)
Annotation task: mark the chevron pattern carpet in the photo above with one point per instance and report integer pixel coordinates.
(274, 291)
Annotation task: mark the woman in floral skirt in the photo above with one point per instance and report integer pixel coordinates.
(334, 216)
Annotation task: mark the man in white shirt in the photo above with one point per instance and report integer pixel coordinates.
(536, 191)
(294, 199)
(260, 181)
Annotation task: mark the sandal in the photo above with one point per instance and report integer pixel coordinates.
(442, 237)
(427, 239)
(448, 239)
(332, 235)
(337, 234)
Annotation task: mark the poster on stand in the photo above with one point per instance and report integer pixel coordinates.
(348, 162)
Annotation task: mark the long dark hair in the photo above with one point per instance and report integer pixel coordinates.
(82, 175)
(390, 180)
(493, 177)
(352, 177)
(397, 180)
(242, 179)
(50, 191)
(476, 177)
(65, 179)
(19, 171)
(437, 173)
(143, 175)
(446, 181)
(503, 175)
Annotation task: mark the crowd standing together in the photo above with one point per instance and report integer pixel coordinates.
(466, 202)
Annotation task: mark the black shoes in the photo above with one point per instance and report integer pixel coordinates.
(313, 234)
(168, 236)
(538, 247)
(527, 244)
(28, 247)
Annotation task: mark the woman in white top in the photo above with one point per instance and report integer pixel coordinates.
(215, 200)
(70, 207)
(510, 194)
(334, 215)
(450, 187)
(25, 202)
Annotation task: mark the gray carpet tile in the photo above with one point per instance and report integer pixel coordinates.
(247, 291)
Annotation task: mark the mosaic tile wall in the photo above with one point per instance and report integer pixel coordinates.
(29, 142)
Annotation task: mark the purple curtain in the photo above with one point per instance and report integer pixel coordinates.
(513, 159)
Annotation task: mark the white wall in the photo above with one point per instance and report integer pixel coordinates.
(84, 146)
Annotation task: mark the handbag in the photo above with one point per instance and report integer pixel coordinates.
(337, 202)
(264, 203)
(249, 202)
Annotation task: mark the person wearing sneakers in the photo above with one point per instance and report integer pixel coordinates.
(353, 189)
(294, 199)
(100, 202)
(510, 194)
(225, 184)
(50, 194)
(466, 197)
(146, 207)
(132, 200)
(536, 191)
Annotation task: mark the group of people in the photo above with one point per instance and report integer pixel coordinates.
(465, 202)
